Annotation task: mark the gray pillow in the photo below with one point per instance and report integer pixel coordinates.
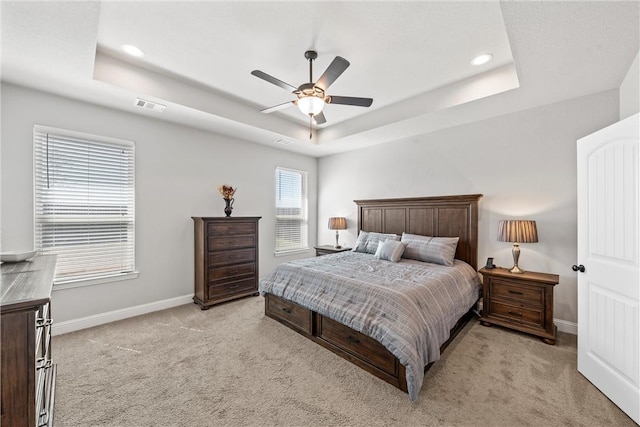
(438, 250)
(391, 250)
(368, 241)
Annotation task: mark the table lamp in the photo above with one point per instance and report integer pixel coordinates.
(517, 231)
(337, 223)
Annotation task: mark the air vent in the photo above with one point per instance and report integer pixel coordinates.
(283, 141)
(148, 105)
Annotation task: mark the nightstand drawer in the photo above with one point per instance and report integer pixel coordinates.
(531, 296)
(520, 315)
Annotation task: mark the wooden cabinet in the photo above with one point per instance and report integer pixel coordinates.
(226, 259)
(28, 372)
(519, 301)
(328, 249)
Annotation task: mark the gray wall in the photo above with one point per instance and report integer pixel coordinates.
(630, 90)
(524, 163)
(177, 172)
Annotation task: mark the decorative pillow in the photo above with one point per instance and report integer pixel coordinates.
(368, 241)
(438, 250)
(391, 250)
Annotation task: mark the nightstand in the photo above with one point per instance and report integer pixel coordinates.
(523, 302)
(329, 249)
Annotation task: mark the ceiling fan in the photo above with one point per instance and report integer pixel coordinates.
(311, 97)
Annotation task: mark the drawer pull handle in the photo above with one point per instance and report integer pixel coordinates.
(41, 323)
(515, 313)
(233, 286)
(353, 339)
(515, 292)
(286, 310)
(45, 365)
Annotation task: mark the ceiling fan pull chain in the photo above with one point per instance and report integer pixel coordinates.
(310, 128)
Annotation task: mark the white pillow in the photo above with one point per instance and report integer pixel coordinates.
(390, 250)
(438, 250)
(368, 241)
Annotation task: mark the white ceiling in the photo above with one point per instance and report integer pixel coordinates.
(411, 57)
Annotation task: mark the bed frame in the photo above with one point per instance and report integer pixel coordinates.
(444, 216)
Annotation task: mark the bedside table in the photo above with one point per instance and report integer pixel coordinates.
(523, 302)
(329, 249)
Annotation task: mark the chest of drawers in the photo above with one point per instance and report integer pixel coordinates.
(519, 301)
(226, 259)
(28, 372)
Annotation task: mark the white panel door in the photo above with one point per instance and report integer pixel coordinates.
(608, 248)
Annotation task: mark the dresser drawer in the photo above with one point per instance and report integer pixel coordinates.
(531, 296)
(222, 228)
(289, 313)
(217, 243)
(231, 257)
(518, 314)
(229, 272)
(362, 346)
(234, 287)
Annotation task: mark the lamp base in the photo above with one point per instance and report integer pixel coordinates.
(516, 255)
(516, 270)
(337, 247)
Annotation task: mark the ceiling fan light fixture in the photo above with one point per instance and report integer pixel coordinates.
(310, 105)
(482, 59)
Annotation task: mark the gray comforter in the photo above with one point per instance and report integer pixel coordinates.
(409, 306)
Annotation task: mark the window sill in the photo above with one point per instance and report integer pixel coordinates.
(293, 252)
(97, 281)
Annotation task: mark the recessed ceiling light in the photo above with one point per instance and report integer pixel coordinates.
(132, 50)
(482, 59)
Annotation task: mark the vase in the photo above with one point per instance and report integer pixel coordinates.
(228, 206)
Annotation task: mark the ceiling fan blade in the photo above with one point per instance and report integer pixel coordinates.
(273, 80)
(350, 100)
(335, 69)
(319, 118)
(278, 107)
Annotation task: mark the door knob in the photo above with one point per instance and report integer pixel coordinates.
(579, 268)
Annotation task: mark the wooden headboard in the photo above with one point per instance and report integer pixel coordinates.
(444, 216)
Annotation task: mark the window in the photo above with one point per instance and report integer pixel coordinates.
(84, 204)
(291, 210)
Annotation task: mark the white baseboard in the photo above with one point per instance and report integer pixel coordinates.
(565, 326)
(67, 326)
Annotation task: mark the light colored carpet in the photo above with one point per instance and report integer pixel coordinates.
(232, 366)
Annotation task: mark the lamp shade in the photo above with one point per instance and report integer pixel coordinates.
(517, 231)
(337, 223)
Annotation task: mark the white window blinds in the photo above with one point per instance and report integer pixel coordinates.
(291, 210)
(84, 203)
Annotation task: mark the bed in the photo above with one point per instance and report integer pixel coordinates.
(393, 319)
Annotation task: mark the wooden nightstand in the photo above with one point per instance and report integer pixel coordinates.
(519, 301)
(329, 249)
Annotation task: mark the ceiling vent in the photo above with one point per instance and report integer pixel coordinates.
(283, 141)
(148, 105)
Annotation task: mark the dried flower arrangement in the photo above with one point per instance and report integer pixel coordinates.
(226, 191)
